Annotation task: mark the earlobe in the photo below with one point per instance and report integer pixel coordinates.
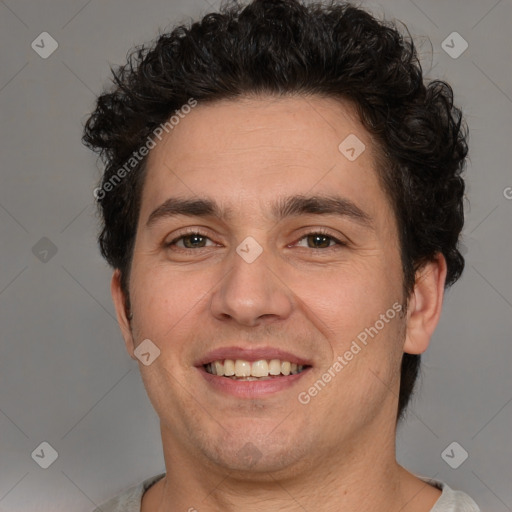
(425, 305)
(121, 312)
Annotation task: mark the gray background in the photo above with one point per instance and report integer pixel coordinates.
(65, 376)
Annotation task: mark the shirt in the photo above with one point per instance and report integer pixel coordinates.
(130, 500)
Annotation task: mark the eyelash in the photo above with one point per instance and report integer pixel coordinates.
(318, 231)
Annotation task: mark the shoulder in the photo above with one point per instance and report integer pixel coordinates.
(451, 500)
(130, 499)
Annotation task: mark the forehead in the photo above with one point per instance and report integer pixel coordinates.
(248, 151)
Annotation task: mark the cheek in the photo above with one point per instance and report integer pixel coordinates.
(344, 301)
(163, 299)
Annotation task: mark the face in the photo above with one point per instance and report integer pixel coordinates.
(292, 255)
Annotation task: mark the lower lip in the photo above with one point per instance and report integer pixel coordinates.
(251, 388)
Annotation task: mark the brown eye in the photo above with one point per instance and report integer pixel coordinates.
(319, 241)
(193, 241)
(189, 241)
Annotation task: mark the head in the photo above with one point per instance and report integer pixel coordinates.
(273, 88)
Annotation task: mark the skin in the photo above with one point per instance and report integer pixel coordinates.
(339, 449)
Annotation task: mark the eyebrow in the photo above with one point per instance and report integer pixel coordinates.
(282, 208)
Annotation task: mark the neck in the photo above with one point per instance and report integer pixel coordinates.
(347, 479)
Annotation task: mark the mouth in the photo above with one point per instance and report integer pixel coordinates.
(259, 370)
(252, 372)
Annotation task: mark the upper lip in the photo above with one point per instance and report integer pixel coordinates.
(251, 355)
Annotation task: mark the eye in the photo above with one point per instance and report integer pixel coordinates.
(192, 240)
(320, 240)
(197, 240)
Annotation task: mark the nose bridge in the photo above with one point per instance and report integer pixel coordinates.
(251, 290)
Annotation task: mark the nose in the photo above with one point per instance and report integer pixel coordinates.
(252, 293)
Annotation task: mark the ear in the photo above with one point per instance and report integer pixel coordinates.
(425, 305)
(122, 315)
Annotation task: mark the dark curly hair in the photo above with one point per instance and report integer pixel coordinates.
(283, 47)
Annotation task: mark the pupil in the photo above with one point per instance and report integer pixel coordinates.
(316, 238)
(191, 239)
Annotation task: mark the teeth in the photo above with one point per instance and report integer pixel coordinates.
(242, 368)
(245, 370)
(219, 368)
(274, 367)
(259, 369)
(229, 367)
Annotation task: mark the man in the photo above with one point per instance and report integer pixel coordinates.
(282, 201)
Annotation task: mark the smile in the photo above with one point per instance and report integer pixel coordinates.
(263, 369)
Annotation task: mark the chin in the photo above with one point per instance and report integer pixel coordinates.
(256, 450)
